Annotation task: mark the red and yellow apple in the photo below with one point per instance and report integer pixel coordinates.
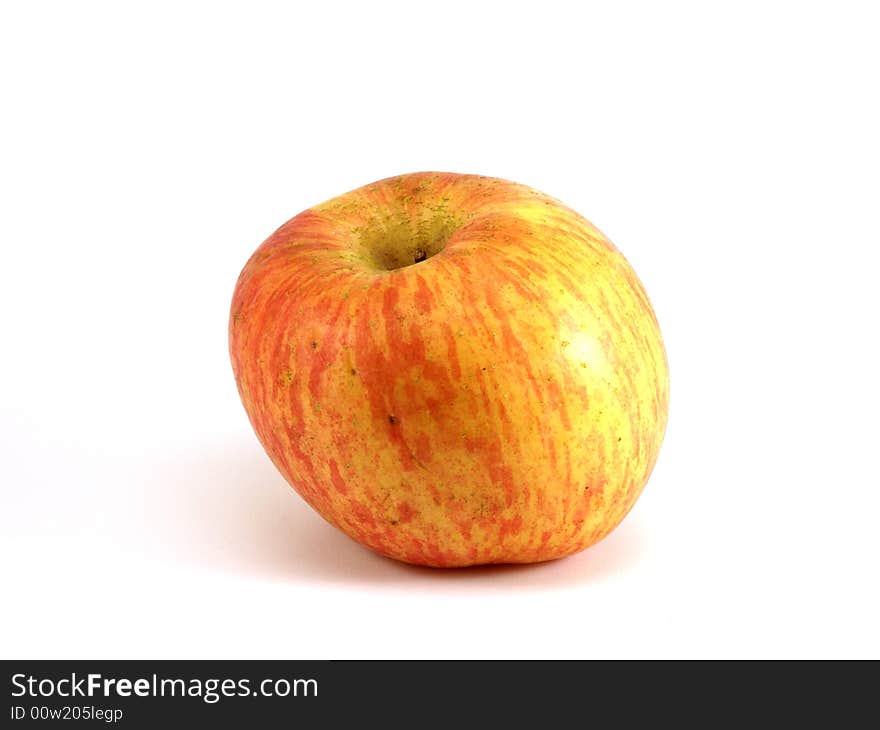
(452, 369)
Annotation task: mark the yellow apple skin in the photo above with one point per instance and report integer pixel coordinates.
(452, 369)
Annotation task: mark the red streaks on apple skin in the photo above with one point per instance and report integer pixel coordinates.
(405, 513)
(336, 478)
(488, 452)
(423, 298)
(452, 354)
(361, 514)
(510, 527)
(422, 448)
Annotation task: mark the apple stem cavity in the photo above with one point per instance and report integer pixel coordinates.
(407, 235)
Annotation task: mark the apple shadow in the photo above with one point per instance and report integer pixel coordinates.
(230, 510)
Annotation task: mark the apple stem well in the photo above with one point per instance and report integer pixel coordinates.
(404, 240)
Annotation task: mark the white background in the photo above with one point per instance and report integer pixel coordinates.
(147, 149)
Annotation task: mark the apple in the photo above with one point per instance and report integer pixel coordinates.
(452, 369)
